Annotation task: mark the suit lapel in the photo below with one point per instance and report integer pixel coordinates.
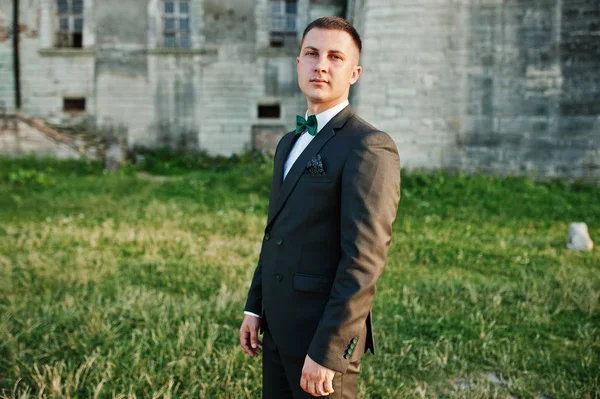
(297, 169)
(286, 146)
(287, 142)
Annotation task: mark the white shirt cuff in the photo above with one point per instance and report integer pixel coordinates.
(251, 314)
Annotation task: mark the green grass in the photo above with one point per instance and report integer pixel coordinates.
(123, 285)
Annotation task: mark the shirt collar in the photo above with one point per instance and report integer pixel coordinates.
(324, 117)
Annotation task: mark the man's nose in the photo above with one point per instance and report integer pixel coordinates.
(321, 65)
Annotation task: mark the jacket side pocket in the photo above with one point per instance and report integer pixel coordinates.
(312, 283)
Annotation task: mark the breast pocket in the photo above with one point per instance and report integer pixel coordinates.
(306, 178)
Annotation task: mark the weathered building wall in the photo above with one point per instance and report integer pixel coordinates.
(49, 74)
(206, 96)
(407, 87)
(7, 87)
(579, 55)
(125, 85)
(509, 87)
(537, 92)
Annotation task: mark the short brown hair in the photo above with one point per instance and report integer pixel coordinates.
(335, 23)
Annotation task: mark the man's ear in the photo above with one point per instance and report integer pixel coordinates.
(355, 74)
(297, 60)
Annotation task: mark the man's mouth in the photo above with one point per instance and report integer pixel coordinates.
(318, 80)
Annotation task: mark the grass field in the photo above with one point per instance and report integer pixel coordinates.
(123, 285)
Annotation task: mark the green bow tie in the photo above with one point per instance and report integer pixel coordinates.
(309, 124)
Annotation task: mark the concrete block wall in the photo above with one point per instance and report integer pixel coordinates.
(47, 74)
(7, 84)
(579, 55)
(125, 86)
(149, 95)
(48, 78)
(210, 91)
(407, 87)
(506, 87)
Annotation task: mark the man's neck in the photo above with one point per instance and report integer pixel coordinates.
(317, 108)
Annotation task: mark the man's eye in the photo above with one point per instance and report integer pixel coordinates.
(311, 53)
(337, 57)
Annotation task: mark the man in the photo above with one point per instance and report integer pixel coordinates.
(334, 197)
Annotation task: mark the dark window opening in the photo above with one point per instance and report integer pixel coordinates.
(269, 111)
(74, 105)
(283, 39)
(77, 40)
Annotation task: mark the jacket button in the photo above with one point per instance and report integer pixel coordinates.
(280, 241)
(352, 345)
(279, 277)
(354, 340)
(347, 356)
(267, 236)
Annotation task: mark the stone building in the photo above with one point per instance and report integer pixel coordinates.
(499, 86)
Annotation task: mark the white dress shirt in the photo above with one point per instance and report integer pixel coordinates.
(305, 138)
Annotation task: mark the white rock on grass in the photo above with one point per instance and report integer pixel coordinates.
(579, 238)
(494, 379)
(114, 157)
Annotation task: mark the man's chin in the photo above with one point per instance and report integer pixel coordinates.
(318, 96)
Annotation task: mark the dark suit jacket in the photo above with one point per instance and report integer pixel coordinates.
(326, 242)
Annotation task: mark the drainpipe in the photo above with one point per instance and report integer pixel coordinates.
(16, 62)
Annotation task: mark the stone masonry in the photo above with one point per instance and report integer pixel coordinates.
(504, 87)
(494, 86)
(207, 95)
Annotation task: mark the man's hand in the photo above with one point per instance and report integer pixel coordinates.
(249, 335)
(316, 379)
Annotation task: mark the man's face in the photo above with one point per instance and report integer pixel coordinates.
(327, 66)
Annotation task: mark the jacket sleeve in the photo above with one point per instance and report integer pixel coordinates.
(254, 300)
(369, 202)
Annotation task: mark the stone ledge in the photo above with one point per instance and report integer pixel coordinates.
(176, 51)
(66, 52)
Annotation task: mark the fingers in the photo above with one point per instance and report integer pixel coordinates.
(316, 380)
(249, 339)
(328, 387)
(258, 348)
(316, 387)
(253, 338)
(309, 386)
(245, 342)
(304, 384)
